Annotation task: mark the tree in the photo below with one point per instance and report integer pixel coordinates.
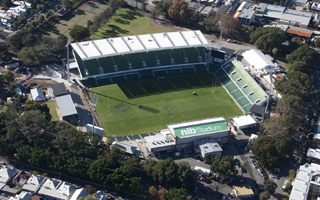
(295, 83)
(67, 3)
(224, 167)
(79, 33)
(7, 3)
(163, 7)
(275, 127)
(303, 54)
(294, 109)
(211, 25)
(34, 56)
(180, 13)
(268, 39)
(90, 197)
(270, 187)
(7, 77)
(176, 194)
(270, 150)
(264, 196)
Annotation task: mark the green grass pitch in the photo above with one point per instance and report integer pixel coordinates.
(120, 115)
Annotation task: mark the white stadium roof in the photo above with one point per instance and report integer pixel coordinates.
(258, 60)
(141, 43)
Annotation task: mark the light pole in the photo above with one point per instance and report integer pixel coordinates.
(268, 99)
(90, 114)
(67, 64)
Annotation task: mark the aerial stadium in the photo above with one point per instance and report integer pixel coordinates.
(143, 83)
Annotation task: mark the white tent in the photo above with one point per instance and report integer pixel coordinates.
(258, 60)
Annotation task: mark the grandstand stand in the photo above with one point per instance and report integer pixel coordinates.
(114, 59)
(240, 85)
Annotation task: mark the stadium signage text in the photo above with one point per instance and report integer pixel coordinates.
(200, 130)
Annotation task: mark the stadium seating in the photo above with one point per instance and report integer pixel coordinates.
(239, 84)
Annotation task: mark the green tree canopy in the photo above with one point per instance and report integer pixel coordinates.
(224, 167)
(79, 33)
(176, 194)
(270, 150)
(268, 39)
(295, 83)
(270, 187)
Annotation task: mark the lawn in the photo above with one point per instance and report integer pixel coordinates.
(53, 110)
(128, 22)
(87, 11)
(120, 115)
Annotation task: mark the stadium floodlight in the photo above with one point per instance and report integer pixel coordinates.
(270, 89)
(221, 28)
(68, 61)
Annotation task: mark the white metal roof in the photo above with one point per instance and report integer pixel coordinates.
(244, 121)
(258, 60)
(66, 105)
(301, 184)
(282, 13)
(141, 43)
(313, 153)
(34, 183)
(159, 140)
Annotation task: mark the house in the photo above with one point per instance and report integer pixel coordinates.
(66, 108)
(6, 173)
(56, 90)
(100, 195)
(284, 15)
(37, 94)
(57, 189)
(34, 183)
(21, 178)
(22, 196)
(246, 15)
(79, 193)
(11, 66)
(307, 182)
(314, 154)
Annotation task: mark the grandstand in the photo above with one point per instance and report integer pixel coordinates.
(240, 85)
(120, 59)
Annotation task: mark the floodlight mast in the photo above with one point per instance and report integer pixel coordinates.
(68, 61)
(269, 93)
(221, 28)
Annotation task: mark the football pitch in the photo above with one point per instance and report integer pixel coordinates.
(144, 106)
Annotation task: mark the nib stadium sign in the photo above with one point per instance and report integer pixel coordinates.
(201, 129)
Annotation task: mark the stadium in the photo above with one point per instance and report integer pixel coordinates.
(146, 80)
